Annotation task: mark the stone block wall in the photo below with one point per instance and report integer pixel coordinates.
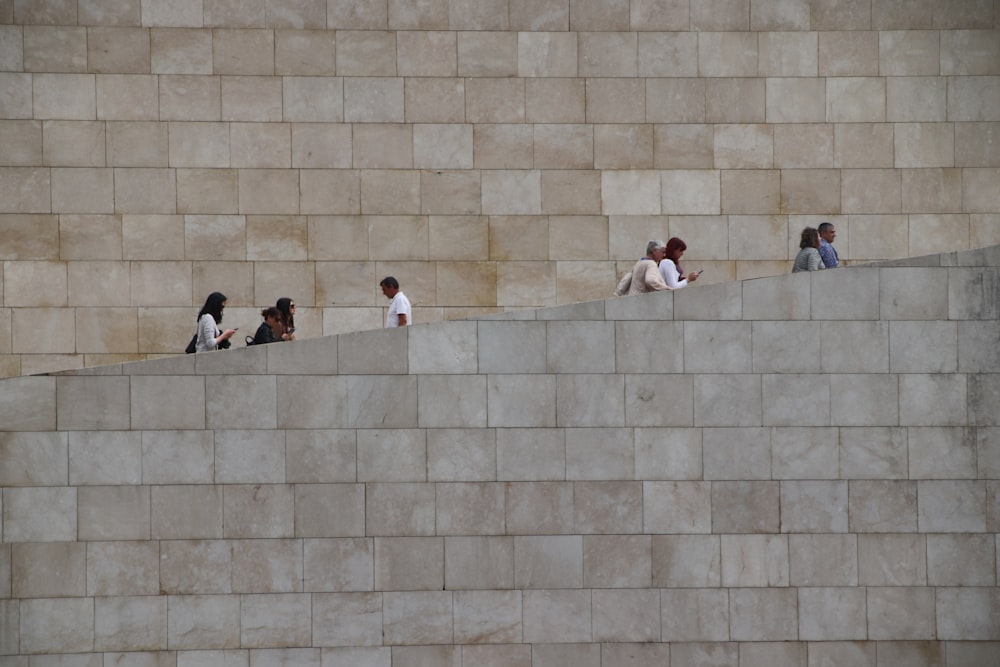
(494, 155)
(787, 471)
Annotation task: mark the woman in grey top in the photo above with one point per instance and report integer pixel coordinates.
(808, 258)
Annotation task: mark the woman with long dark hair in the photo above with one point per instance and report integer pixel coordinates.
(670, 265)
(286, 306)
(209, 317)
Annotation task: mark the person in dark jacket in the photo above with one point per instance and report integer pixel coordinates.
(270, 329)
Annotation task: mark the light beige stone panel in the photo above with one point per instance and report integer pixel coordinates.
(48, 569)
(616, 100)
(810, 191)
(127, 97)
(73, 143)
(443, 146)
(557, 615)
(683, 146)
(806, 146)
(901, 613)
(123, 568)
(321, 145)
(394, 192)
(185, 13)
(11, 44)
(916, 99)
(22, 140)
(555, 100)
(190, 97)
(427, 15)
(617, 561)
(35, 284)
(206, 191)
(434, 100)
(630, 615)
(40, 514)
(795, 100)
(722, 54)
(451, 192)
(203, 621)
(260, 145)
(366, 53)
(373, 100)
(276, 237)
(26, 189)
(744, 146)
(507, 146)
(137, 144)
(921, 145)
(667, 54)
(855, 99)
(114, 513)
(82, 190)
(330, 191)
(338, 565)
(636, 192)
(195, 567)
(145, 191)
(484, 54)
(547, 54)
(130, 623)
(969, 52)
(690, 192)
(934, 191)
(495, 100)
(976, 145)
(177, 50)
(909, 53)
(251, 98)
(304, 52)
(268, 191)
(467, 283)
(978, 193)
(574, 192)
(26, 237)
(735, 100)
(847, 53)
(788, 54)
(199, 144)
(118, 49)
(870, 191)
(152, 237)
(613, 147)
(296, 14)
(607, 54)
(312, 99)
(426, 53)
(884, 236)
(16, 101)
(42, 330)
(57, 625)
(106, 330)
(55, 49)
(863, 145)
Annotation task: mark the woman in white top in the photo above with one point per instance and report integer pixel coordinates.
(808, 258)
(670, 265)
(209, 335)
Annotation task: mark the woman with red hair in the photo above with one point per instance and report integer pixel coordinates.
(670, 266)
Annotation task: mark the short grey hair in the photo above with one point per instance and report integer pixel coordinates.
(653, 245)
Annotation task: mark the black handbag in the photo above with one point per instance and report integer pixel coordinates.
(190, 348)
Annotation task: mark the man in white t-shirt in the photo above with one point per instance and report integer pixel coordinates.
(399, 309)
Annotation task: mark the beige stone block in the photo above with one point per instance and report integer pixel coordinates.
(968, 52)
(878, 236)
(338, 564)
(258, 510)
(11, 43)
(330, 191)
(100, 284)
(744, 146)
(106, 330)
(368, 14)
(312, 516)
(206, 191)
(870, 190)
(916, 99)
(983, 230)
(922, 145)
(810, 191)
(25, 237)
(137, 144)
(546, 54)
(55, 48)
(723, 54)
(391, 192)
(555, 100)
(511, 192)
(274, 621)
(118, 49)
(199, 144)
(739, 100)
(296, 14)
(466, 283)
(617, 561)
(216, 237)
(36, 284)
(667, 54)
(505, 146)
(426, 15)
(304, 52)
(569, 193)
(268, 191)
(22, 141)
(190, 97)
(42, 330)
(487, 616)
(196, 567)
(683, 146)
(855, 99)
(434, 100)
(350, 619)
(83, 190)
(909, 53)
(260, 145)
(123, 568)
(518, 237)
(788, 54)
(186, 512)
(178, 50)
(631, 615)
(978, 193)
(608, 54)
(935, 191)
(409, 563)
(616, 101)
(976, 145)
(495, 100)
(16, 100)
(426, 53)
(48, 569)
(203, 621)
(321, 145)
(632, 192)
(127, 97)
(185, 13)
(114, 513)
(73, 143)
(247, 52)
(863, 145)
(141, 190)
(795, 100)
(485, 54)
(582, 281)
(383, 146)
(888, 15)
(845, 52)
(460, 238)
(235, 13)
(450, 192)
(152, 237)
(557, 615)
(366, 53)
(591, 15)
(901, 613)
(614, 147)
(690, 192)
(276, 238)
(251, 98)
(161, 283)
(803, 146)
(131, 623)
(56, 625)
(526, 284)
(91, 237)
(64, 96)
(313, 99)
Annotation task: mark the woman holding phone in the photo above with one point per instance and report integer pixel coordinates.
(670, 265)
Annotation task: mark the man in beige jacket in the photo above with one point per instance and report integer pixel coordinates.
(644, 277)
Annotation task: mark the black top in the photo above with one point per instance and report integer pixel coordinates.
(264, 335)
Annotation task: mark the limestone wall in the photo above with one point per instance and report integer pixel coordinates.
(492, 154)
(793, 471)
